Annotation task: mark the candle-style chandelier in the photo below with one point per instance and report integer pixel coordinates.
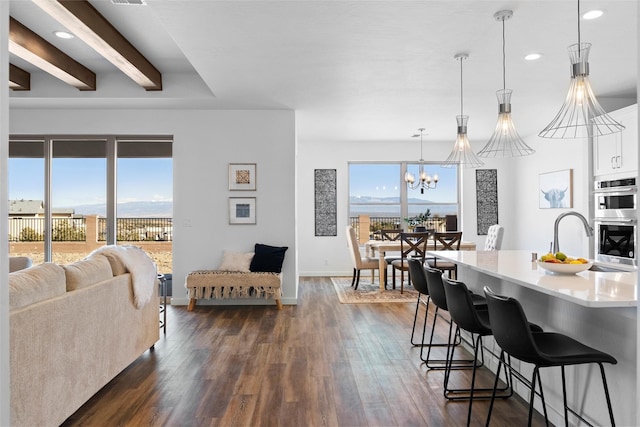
(425, 181)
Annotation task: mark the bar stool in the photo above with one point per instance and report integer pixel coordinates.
(476, 321)
(439, 299)
(418, 278)
(543, 349)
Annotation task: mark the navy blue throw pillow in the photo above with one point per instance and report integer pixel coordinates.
(268, 258)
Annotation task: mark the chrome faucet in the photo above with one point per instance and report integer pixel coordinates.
(587, 228)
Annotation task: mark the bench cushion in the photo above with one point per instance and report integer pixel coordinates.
(206, 284)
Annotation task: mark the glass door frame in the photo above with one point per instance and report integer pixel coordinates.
(111, 178)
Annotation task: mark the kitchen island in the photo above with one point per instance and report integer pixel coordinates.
(596, 308)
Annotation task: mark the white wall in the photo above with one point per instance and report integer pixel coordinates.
(205, 142)
(322, 256)
(526, 225)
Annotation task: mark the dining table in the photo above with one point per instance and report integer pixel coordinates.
(380, 248)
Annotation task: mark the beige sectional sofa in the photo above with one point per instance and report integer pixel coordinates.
(73, 328)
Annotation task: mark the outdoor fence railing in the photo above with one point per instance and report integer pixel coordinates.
(75, 229)
(377, 223)
(62, 229)
(138, 229)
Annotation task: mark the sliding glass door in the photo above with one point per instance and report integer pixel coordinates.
(72, 194)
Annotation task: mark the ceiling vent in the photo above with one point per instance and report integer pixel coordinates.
(130, 2)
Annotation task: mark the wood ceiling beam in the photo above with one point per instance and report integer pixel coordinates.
(19, 79)
(86, 23)
(32, 48)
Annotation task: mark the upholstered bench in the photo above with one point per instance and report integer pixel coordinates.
(222, 284)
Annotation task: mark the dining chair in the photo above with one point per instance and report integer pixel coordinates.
(390, 234)
(359, 262)
(446, 241)
(414, 246)
(493, 242)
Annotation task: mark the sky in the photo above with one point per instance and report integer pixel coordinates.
(384, 180)
(83, 181)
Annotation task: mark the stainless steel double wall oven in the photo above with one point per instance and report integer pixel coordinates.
(615, 221)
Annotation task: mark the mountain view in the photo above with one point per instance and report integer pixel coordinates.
(148, 209)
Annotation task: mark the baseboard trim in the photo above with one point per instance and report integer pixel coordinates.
(240, 301)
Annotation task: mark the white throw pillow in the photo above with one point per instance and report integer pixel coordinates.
(236, 261)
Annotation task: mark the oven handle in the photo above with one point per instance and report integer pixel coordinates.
(615, 221)
(615, 190)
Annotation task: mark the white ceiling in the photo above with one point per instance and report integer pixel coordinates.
(352, 70)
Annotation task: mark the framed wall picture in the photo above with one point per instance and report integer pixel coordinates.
(242, 176)
(555, 189)
(242, 210)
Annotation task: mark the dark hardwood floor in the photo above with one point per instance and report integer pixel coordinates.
(314, 364)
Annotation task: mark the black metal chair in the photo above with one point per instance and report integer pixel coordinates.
(542, 349)
(475, 321)
(436, 294)
(418, 278)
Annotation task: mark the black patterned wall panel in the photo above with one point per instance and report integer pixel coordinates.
(487, 198)
(326, 202)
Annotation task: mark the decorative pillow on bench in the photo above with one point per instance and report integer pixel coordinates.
(268, 258)
(236, 261)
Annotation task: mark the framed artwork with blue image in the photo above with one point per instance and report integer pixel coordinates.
(242, 210)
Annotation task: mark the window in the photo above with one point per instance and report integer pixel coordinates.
(442, 200)
(378, 191)
(101, 190)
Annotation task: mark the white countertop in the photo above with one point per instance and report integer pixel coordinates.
(588, 288)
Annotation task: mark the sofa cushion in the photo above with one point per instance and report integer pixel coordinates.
(38, 283)
(236, 261)
(85, 273)
(117, 266)
(267, 258)
(19, 263)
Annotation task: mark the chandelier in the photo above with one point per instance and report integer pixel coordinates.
(462, 154)
(424, 179)
(581, 115)
(505, 141)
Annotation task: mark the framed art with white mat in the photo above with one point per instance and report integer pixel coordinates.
(242, 210)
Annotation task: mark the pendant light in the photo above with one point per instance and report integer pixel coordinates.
(462, 154)
(425, 181)
(505, 141)
(581, 115)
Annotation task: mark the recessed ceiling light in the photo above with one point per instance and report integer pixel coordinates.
(63, 34)
(533, 56)
(592, 14)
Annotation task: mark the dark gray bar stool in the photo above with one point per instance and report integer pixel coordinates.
(542, 349)
(475, 321)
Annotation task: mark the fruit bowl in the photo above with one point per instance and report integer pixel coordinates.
(564, 268)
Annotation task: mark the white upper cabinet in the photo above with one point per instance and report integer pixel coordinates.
(618, 153)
